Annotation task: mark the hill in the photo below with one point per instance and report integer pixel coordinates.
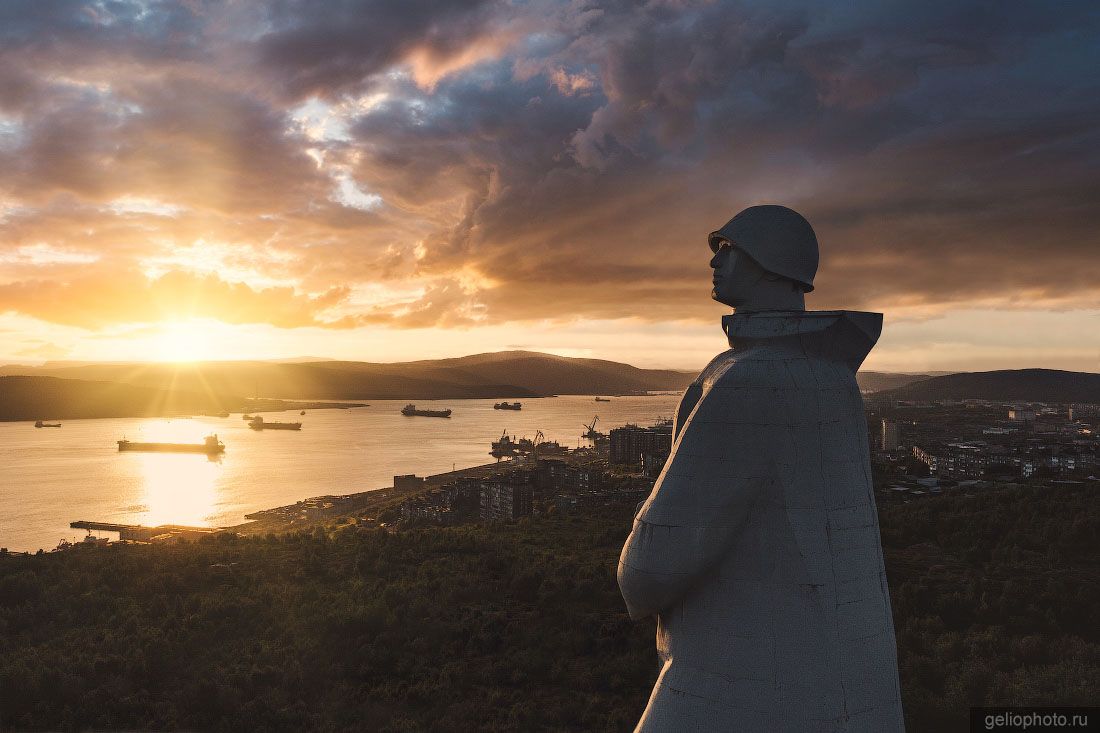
(33, 398)
(51, 398)
(537, 373)
(507, 374)
(879, 381)
(1007, 385)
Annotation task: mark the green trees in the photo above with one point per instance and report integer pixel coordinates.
(506, 626)
(995, 599)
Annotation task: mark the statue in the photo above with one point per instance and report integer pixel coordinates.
(758, 549)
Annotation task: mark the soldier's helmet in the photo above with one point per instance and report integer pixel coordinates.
(779, 239)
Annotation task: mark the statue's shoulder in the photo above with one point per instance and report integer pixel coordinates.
(739, 368)
(716, 365)
(763, 366)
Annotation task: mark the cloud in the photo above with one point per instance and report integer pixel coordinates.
(103, 297)
(446, 303)
(542, 160)
(39, 349)
(318, 48)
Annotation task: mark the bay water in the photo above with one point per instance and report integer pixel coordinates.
(52, 476)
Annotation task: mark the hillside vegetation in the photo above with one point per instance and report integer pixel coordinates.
(507, 627)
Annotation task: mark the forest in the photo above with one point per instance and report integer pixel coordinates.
(506, 627)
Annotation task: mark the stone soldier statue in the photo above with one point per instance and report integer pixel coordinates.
(758, 550)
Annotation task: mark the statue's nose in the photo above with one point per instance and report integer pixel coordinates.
(719, 257)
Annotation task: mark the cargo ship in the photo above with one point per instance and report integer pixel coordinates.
(504, 447)
(258, 423)
(410, 411)
(508, 406)
(602, 399)
(40, 424)
(210, 446)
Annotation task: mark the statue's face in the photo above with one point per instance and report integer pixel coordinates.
(735, 274)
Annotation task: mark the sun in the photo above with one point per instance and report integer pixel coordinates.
(182, 341)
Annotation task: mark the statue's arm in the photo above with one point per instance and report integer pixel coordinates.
(692, 394)
(687, 525)
(687, 404)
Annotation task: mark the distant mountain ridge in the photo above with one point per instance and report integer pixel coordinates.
(1006, 385)
(216, 386)
(514, 374)
(496, 374)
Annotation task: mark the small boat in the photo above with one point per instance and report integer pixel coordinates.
(302, 412)
(258, 423)
(508, 406)
(247, 417)
(210, 446)
(410, 411)
(602, 399)
(40, 424)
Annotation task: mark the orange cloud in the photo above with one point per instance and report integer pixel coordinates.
(104, 298)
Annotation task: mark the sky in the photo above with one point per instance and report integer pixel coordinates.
(388, 181)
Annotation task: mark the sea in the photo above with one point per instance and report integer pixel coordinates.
(50, 477)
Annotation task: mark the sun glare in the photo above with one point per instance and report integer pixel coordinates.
(182, 341)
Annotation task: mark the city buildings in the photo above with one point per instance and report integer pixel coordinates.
(889, 440)
(634, 445)
(922, 450)
(502, 501)
(976, 439)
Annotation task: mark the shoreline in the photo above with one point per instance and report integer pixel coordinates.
(319, 500)
(319, 509)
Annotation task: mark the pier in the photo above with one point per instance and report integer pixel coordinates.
(141, 533)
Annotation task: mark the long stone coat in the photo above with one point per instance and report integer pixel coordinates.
(758, 549)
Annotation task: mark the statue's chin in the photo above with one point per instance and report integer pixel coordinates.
(716, 297)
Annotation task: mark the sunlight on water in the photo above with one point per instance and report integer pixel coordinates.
(171, 431)
(178, 488)
(175, 488)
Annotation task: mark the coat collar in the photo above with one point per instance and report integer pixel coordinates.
(845, 336)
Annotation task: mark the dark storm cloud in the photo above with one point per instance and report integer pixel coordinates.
(965, 139)
(324, 47)
(560, 159)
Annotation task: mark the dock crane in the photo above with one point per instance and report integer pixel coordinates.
(538, 439)
(590, 430)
